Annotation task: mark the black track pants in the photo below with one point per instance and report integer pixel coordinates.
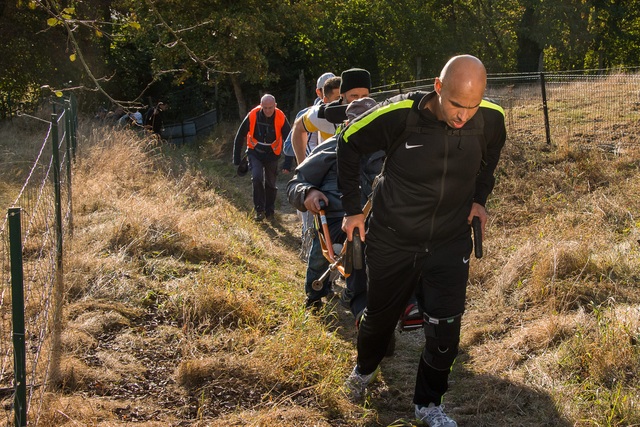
(392, 278)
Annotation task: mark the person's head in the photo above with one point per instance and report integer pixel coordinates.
(137, 116)
(337, 112)
(321, 81)
(356, 83)
(268, 104)
(359, 107)
(460, 89)
(331, 89)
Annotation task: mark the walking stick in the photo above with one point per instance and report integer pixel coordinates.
(325, 231)
(350, 256)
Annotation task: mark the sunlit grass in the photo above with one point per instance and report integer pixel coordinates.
(172, 286)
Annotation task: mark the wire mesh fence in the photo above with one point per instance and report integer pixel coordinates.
(43, 204)
(593, 109)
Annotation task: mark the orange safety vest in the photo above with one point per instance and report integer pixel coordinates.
(278, 122)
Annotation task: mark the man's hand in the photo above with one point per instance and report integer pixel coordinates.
(479, 211)
(349, 223)
(312, 200)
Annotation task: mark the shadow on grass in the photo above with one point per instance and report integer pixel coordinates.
(473, 400)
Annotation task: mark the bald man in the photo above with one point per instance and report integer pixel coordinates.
(442, 149)
(262, 129)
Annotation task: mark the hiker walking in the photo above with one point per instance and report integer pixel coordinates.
(354, 83)
(322, 96)
(262, 129)
(327, 89)
(437, 177)
(154, 117)
(316, 180)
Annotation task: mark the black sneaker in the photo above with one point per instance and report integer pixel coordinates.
(259, 216)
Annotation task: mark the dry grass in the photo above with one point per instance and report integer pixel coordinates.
(182, 311)
(554, 305)
(170, 282)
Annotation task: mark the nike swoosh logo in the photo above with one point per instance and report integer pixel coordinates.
(465, 260)
(409, 147)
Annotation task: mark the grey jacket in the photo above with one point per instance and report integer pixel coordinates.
(320, 171)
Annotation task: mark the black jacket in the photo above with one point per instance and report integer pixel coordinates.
(432, 176)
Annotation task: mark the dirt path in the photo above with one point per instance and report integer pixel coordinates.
(392, 396)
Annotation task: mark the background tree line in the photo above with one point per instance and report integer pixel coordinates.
(226, 53)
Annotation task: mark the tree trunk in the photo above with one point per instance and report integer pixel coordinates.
(237, 89)
(303, 91)
(528, 53)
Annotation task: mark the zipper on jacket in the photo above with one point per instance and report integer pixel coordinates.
(442, 185)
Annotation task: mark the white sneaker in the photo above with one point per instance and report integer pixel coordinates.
(434, 416)
(357, 383)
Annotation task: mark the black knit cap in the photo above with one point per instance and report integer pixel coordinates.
(353, 78)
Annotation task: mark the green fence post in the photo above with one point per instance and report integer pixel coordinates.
(67, 141)
(58, 285)
(55, 149)
(545, 110)
(74, 125)
(17, 316)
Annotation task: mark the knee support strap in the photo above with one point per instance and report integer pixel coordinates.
(442, 338)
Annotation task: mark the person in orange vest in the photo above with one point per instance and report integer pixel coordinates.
(262, 129)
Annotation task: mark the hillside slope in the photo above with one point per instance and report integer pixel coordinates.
(183, 311)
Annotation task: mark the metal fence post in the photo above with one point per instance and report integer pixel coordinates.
(55, 138)
(545, 110)
(58, 285)
(68, 148)
(17, 316)
(74, 124)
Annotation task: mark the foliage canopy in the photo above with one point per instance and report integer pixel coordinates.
(227, 53)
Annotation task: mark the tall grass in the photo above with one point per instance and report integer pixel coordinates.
(554, 305)
(165, 254)
(180, 309)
